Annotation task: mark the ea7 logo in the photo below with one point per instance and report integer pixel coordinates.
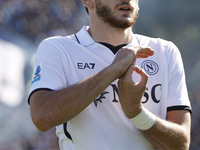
(86, 65)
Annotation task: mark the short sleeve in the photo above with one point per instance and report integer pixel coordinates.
(177, 92)
(48, 71)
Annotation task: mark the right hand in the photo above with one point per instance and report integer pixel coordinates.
(126, 56)
(130, 92)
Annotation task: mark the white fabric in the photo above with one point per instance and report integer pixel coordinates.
(144, 120)
(103, 125)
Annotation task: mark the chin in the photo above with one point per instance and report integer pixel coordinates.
(122, 24)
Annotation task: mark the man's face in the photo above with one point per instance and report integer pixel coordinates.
(117, 13)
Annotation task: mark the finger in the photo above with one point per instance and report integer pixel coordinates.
(134, 62)
(127, 78)
(144, 76)
(137, 69)
(144, 52)
(146, 49)
(130, 71)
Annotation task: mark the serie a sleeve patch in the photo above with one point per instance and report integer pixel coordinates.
(37, 74)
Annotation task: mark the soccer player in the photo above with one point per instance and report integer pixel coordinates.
(106, 88)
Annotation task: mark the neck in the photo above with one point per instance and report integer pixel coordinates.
(102, 32)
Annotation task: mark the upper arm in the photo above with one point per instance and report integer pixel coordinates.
(48, 70)
(36, 100)
(39, 108)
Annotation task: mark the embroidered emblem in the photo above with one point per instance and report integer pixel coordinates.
(150, 67)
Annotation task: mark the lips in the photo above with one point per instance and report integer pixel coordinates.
(125, 8)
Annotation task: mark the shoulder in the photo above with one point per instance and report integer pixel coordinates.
(162, 45)
(146, 40)
(56, 44)
(58, 40)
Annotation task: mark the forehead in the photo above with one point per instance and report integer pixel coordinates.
(116, 1)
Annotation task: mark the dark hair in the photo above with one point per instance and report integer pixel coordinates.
(87, 10)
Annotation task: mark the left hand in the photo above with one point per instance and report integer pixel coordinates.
(130, 92)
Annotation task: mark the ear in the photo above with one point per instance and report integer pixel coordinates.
(88, 3)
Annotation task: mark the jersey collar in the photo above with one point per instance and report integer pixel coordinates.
(85, 39)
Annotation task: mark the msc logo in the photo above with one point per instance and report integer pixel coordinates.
(150, 67)
(86, 65)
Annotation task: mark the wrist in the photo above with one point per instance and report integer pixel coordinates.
(144, 120)
(116, 70)
(134, 112)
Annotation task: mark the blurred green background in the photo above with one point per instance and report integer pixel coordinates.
(25, 23)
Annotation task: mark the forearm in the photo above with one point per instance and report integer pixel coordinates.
(165, 135)
(49, 109)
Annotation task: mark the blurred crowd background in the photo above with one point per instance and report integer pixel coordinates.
(25, 23)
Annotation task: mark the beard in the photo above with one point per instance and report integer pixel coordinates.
(105, 14)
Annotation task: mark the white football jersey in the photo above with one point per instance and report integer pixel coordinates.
(63, 61)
